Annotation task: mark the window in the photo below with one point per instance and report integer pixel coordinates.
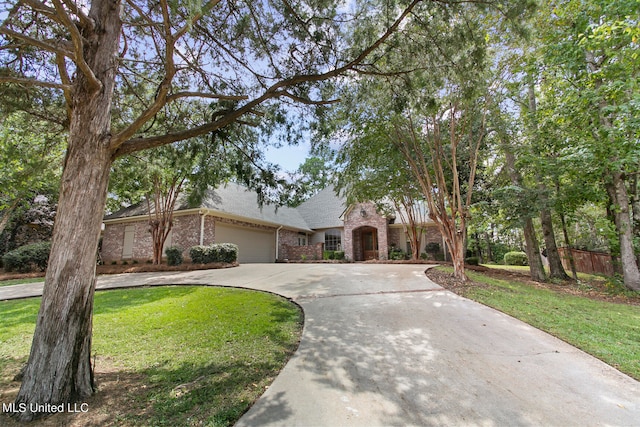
(302, 239)
(332, 240)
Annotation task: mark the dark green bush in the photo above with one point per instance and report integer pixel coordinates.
(174, 255)
(328, 254)
(217, 252)
(472, 260)
(396, 254)
(424, 256)
(33, 257)
(227, 252)
(339, 255)
(516, 258)
(198, 254)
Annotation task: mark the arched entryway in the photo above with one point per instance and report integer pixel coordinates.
(365, 241)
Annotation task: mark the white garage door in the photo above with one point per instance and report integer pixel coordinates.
(253, 245)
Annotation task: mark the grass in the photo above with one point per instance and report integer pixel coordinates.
(525, 269)
(21, 281)
(202, 354)
(606, 330)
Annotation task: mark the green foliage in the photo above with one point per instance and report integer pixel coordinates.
(27, 258)
(217, 252)
(338, 255)
(228, 343)
(472, 260)
(174, 255)
(396, 254)
(328, 255)
(198, 254)
(516, 258)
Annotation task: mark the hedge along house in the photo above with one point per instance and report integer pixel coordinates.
(231, 214)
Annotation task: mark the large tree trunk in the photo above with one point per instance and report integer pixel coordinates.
(634, 196)
(532, 248)
(565, 233)
(618, 194)
(59, 368)
(556, 270)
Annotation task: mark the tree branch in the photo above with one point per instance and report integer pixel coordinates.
(121, 146)
(78, 45)
(35, 42)
(64, 77)
(305, 101)
(33, 82)
(179, 95)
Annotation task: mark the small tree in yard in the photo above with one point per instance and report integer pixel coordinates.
(161, 215)
(432, 149)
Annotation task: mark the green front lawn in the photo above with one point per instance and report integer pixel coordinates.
(21, 281)
(171, 355)
(609, 331)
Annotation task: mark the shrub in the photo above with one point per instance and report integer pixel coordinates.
(198, 254)
(228, 252)
(27, 258)
(516, 258)
(473, 260)
(174, 255)
(339, 255)
(424, 256)
(396, 254)
(328, 255)
(217, 252)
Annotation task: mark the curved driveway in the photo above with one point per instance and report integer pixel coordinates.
(383, 345)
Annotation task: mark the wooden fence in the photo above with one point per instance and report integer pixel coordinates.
(587, 262)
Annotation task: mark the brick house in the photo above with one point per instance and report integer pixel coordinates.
(231, 213)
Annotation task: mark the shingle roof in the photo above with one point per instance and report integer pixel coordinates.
(237, 200)
(323, 210)
(231, 199)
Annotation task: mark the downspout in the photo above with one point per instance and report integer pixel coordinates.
(202, 215)
(278, 242)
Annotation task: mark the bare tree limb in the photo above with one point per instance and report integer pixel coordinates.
(64, 77)
(78, 45)
(84, 19)
(306, 101)
(36, 43)
(33, 82)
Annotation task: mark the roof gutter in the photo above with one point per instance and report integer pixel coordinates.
(278, 242)
(202, 215)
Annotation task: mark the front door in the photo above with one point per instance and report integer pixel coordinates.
(370, 243)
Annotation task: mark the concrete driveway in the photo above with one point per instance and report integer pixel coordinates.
(383, 345)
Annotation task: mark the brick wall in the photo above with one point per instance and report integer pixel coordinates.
(112, 242)
(353, 224)
(185, 233)
(309, 252)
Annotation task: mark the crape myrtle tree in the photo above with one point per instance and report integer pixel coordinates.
(100, 59)
(433, 116)
(372, 169)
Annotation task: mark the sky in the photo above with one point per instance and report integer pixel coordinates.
(288, 157)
